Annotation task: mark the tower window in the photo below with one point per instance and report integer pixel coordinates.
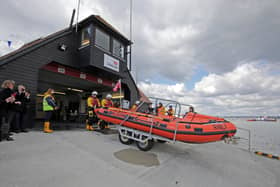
(102, 40)
(118, 49)
(86, 33)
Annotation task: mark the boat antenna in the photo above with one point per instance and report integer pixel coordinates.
(72, 18)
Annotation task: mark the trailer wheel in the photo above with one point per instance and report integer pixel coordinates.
(125, 140)
(146, 146)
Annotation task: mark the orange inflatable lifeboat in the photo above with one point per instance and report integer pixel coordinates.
(192, 128)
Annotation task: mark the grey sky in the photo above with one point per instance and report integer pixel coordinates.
(174, 37)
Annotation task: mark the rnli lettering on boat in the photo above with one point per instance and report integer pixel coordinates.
(220, 126)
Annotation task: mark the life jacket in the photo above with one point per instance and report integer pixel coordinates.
(93, 102)
(106, 103)
(161, 110)
(134, 108)
(170, 112)
(46, 106)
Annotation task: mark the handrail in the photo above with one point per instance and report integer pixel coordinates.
(249, 137)
(173, 102)
(137, 113)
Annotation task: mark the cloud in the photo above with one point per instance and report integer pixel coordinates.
(247, 90)
(222, 35)
(236, 43)
(245, 79)
(171, 38)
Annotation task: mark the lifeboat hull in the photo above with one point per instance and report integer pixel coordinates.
(191, 129)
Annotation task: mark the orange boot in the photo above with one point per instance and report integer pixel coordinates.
(47, 127)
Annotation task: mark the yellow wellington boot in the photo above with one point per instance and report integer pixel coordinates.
(87, 125)
(90, 128)
(47, 127)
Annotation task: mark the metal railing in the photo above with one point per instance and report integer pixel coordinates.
(237, 139)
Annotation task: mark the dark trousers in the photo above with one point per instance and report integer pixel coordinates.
(5, 121)
(92, 118)
(48, 115)
(20, 125)
(11, 120)
(4, 127)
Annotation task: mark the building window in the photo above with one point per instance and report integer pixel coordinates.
(118, 49)
(86, 33)
(102, 40)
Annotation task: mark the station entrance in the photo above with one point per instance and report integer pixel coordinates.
(71, 93)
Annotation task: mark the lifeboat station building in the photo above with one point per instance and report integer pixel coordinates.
(74, 62)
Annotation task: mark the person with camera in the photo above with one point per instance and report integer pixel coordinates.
(22, 98)
(7, 99)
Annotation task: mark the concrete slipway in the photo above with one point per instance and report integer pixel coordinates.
(78, 158)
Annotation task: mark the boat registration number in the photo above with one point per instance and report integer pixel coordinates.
(220, 126)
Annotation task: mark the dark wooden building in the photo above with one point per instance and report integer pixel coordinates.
(74, 64)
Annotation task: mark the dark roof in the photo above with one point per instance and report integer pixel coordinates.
(31, 44)
(41, 41)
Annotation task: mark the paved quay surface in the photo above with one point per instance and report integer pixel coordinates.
(78, 158)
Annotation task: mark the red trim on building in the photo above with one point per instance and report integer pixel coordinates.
(57, 68)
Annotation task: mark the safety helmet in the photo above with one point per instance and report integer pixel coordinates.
(137, 102)
(109, 96)
(94, 93)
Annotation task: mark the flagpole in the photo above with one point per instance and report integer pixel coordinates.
(78, 10)
(120, 93)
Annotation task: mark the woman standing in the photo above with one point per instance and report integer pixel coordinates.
(48, 107)
(7, 99)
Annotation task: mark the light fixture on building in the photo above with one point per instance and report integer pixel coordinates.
(75, 90)
(62, 47)
(117, 96)
(60, 93)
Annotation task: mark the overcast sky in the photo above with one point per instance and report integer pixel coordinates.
(221, 56)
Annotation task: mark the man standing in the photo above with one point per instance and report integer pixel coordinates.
(92, 103)
(107, 102)
(22, 97)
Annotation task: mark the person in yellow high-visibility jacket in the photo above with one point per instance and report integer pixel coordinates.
(160, 109)
(107, 102)
(92, 103)
(48, 107)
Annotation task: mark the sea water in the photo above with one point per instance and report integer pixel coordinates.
(265, 136)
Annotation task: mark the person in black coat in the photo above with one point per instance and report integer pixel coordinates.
(7, 98)
(22, 98)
